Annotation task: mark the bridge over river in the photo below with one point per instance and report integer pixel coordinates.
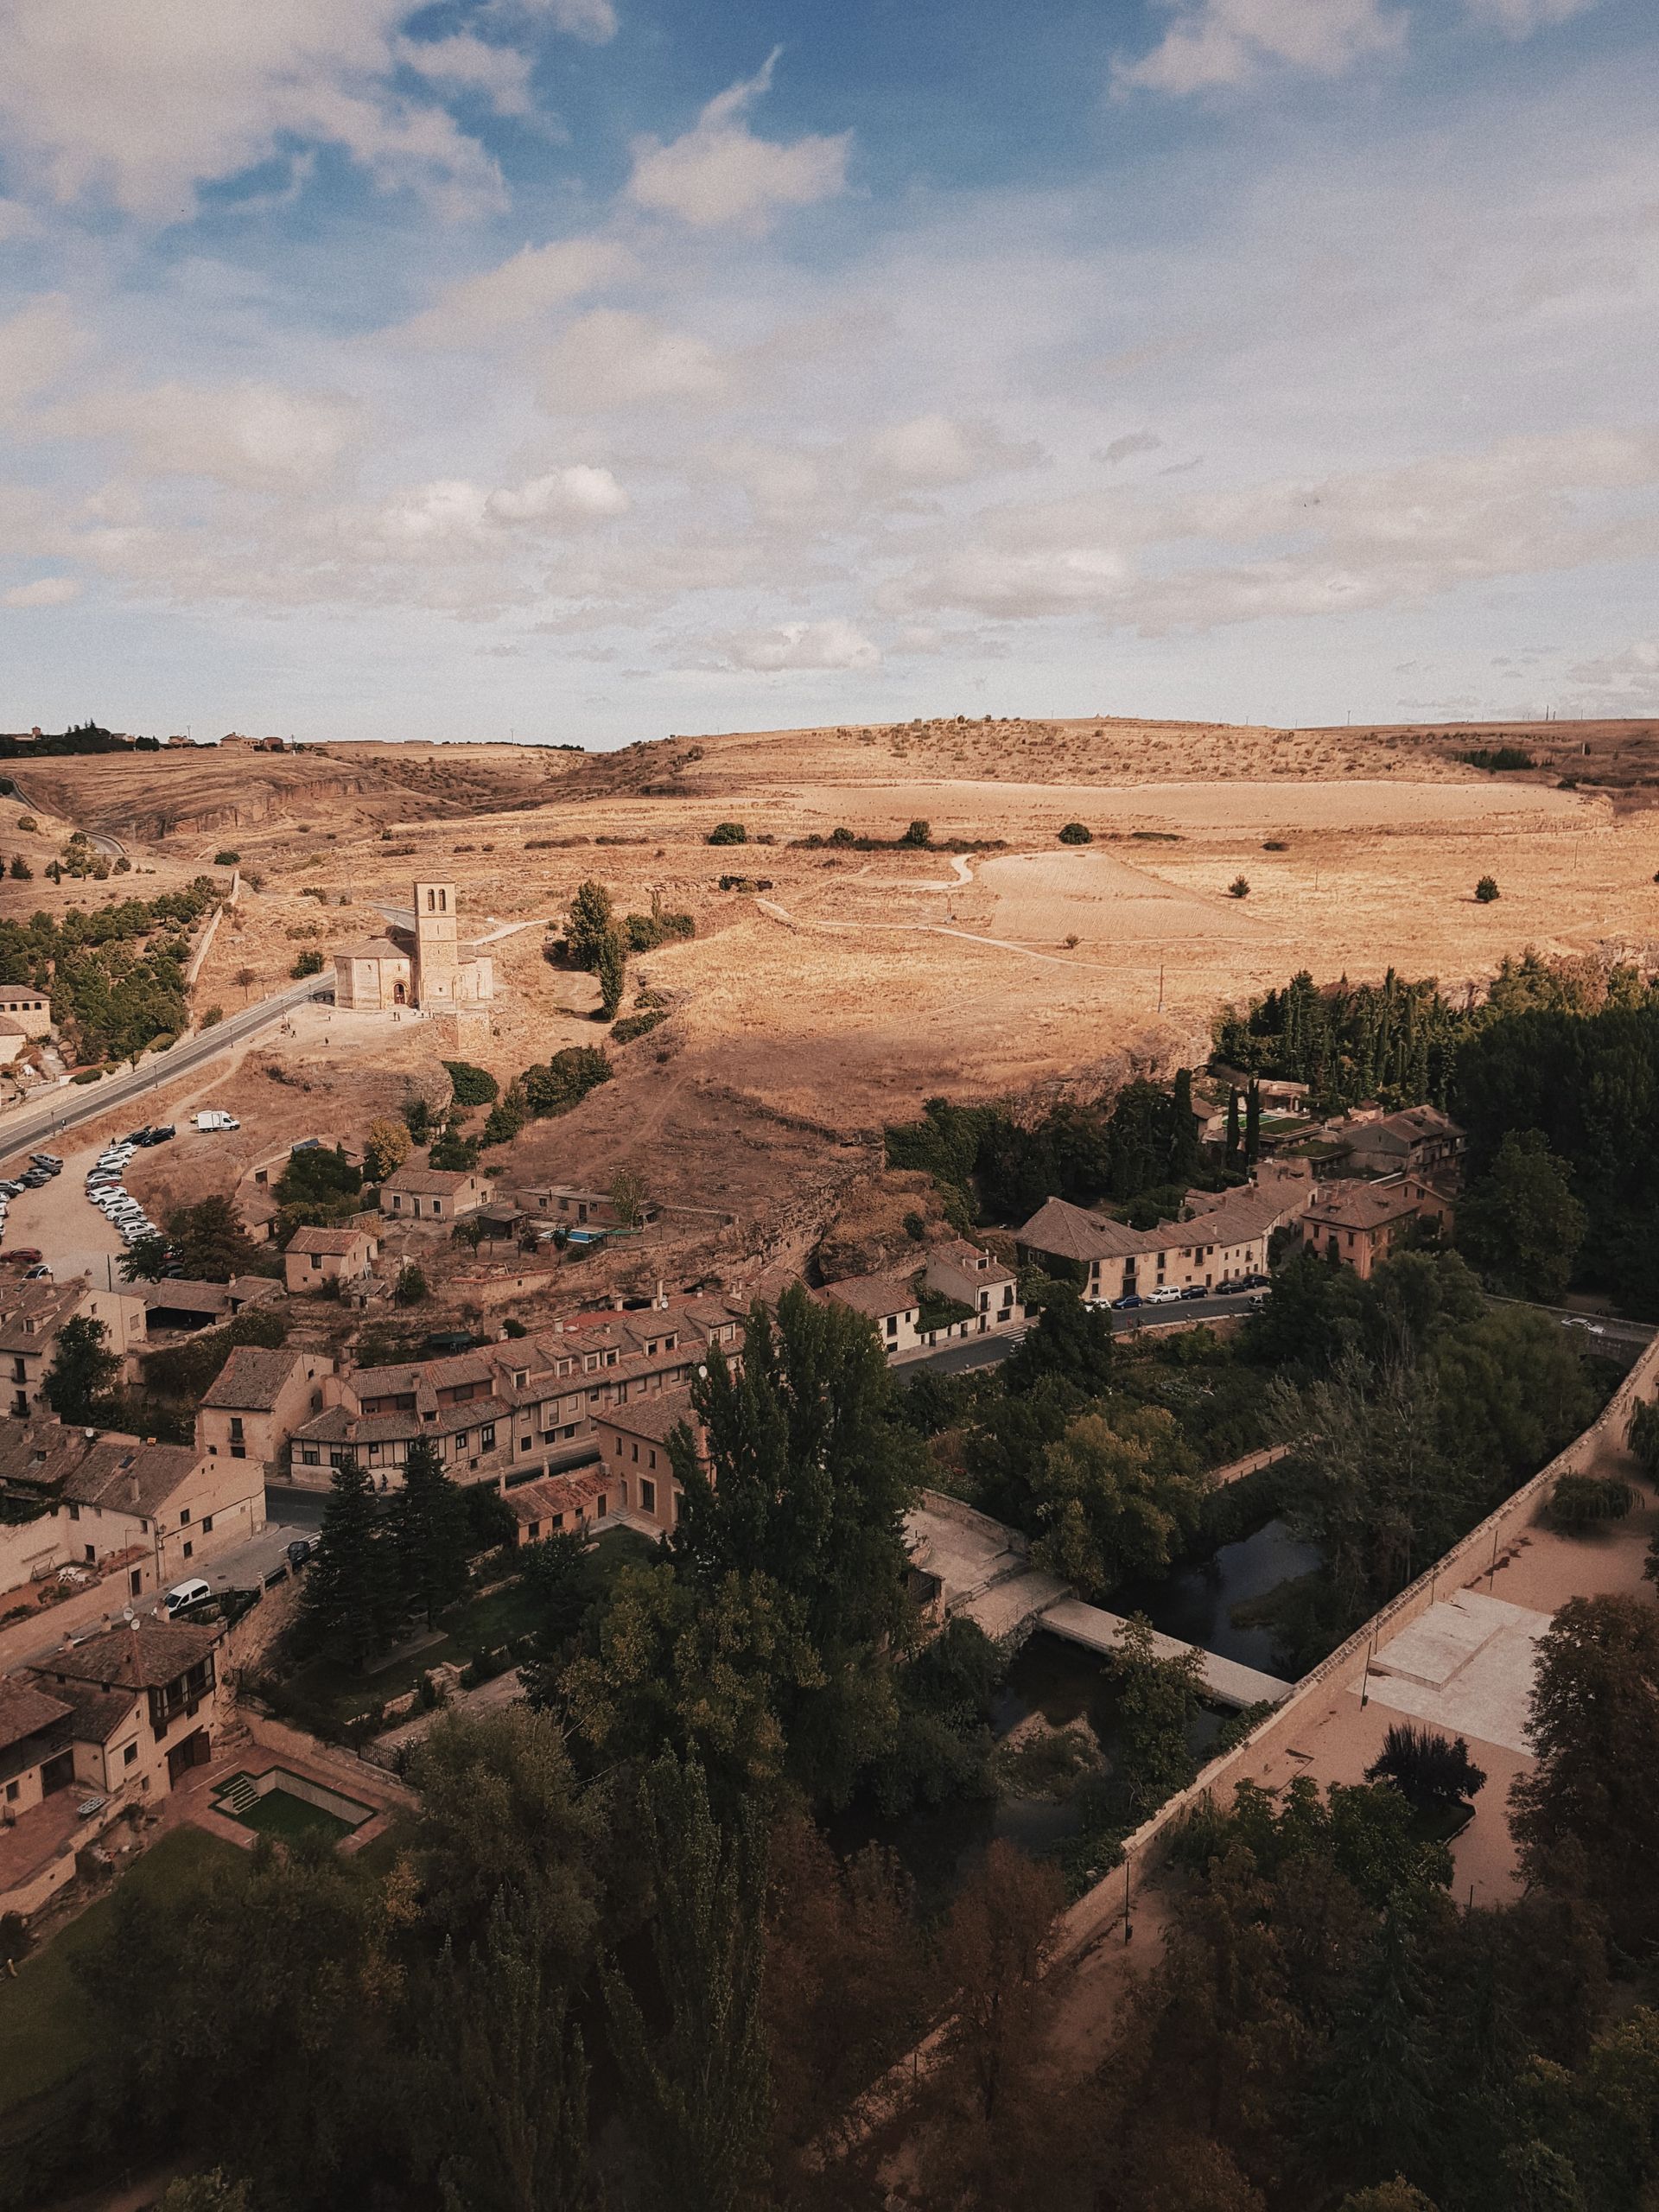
(985, 1573)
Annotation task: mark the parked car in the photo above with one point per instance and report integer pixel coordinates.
(23, 1256)
(301, 1549)
(212, 1118)
(187, 1594)
(39, 1273)
(135, 1136)
(1196, 1290)
(1230, 1288)
(1165, 1294)
(1122, 1305)
(10, 1190)
(49, 1160)
(162, 1135)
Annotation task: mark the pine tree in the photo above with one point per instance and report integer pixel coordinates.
(351, 1585)
(432, 1532)
(696, 2083)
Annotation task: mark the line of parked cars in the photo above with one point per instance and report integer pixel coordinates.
(111, 1196)
(43, 1166)
(1169, 1294)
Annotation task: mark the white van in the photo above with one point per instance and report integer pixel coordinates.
(212, 1118)
(186, 1593)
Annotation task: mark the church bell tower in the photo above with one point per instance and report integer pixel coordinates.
(436, 956)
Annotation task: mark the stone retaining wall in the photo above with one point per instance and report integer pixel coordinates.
(1465, 1562)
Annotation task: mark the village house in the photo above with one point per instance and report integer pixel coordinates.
(972, 1277)
(515, 1410)
(561, 1204)
(570, 1505)
(633, 1450)
(257, 1402)
(891, 1302)
(179, 1305)
(80, 1497)
(1419, 1141)
(1361, 1223)
(316, 1257)
(1225, 1239)
(33, 1314)
(433, 1193)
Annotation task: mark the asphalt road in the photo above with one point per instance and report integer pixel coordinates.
(32, 1126)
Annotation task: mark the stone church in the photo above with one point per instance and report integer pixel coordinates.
(420, 962)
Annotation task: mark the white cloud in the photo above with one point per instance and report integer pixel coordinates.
(934, 450)
(37, 345)
(16, 221)
(581, 492)
(592, 20)
(141, 104)
(610, 358)
(722, 173)
(45, 591)
(536, 280)
(256, 435)
(500, 74)
(834, 643)
(1619, 683)
(1214, 45)
(1520, 18)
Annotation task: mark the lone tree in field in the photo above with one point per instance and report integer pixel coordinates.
(611, 968)
(1486, 890)
(1239, 887)
(1076, 833)
(919, 833)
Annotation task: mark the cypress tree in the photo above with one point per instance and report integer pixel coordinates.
(1253, 1124)
(1183, 1128)
(351, 1585)
(432, 1532)
(1232, 1128)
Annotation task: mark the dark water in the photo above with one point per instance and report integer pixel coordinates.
(1195, 1602)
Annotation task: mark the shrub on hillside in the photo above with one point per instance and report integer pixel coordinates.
(1486, 890)
(473, 1086)
(728, 833)
(1076, 833)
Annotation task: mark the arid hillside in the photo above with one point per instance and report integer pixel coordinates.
(833, 982)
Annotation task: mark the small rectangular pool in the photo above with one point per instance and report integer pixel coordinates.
(286, 1805)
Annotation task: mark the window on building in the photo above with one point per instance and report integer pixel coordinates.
(238, 1450)
(602, 1504)
(647, 1494)
(486, 1437)
(189, 1551)
(184, 1516)
(130, 1756)
(207, 1524)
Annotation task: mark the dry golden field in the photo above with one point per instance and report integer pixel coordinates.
(856, 984)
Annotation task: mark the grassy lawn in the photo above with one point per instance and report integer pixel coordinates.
(43, 2037)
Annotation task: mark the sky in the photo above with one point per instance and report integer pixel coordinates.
(586, 371)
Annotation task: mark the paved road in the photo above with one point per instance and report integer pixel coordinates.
(33, 1125)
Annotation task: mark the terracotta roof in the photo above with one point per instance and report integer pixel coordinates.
(656, 1417)
(1363, 1205)
(252, 1379)
(127, 1477)
(972, 1259)
(11, 1028)
(874, 1295)
(550, 1494)
(429, 1182)
(33, 1313)
(98, 1712)
(145, 1656)
(25, 1710)
(1226, 1217)
(341, 1244)
(371, 948)
(22, 995)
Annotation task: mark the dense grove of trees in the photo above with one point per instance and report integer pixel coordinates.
(115, 974)
(1142, 1143)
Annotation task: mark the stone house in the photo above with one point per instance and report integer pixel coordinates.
(890, 1302)
(316, 1257)
(1360, 1223)
(433, 1193)
(29, 1008)
(33, 1314)
(974, 1277)
(1419, 1141)
(1225, 1239)
(633, 1451)
(572, 1502)
(258, 1400)
(562, 1204)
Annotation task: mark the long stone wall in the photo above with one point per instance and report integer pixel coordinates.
(1465, 1562)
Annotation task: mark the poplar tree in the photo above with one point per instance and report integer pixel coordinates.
(432, 1532)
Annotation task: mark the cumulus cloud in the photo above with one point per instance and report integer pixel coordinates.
(1215, 45)
(37, 345)
(581, 492)
(454, 508)
(720, 173)
(830, 644)
(519, 291)
(499, 74)
(256, 435)
(1619, 683)
(934, 450)
(45, 591)
(611, 359)
(143, 104)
